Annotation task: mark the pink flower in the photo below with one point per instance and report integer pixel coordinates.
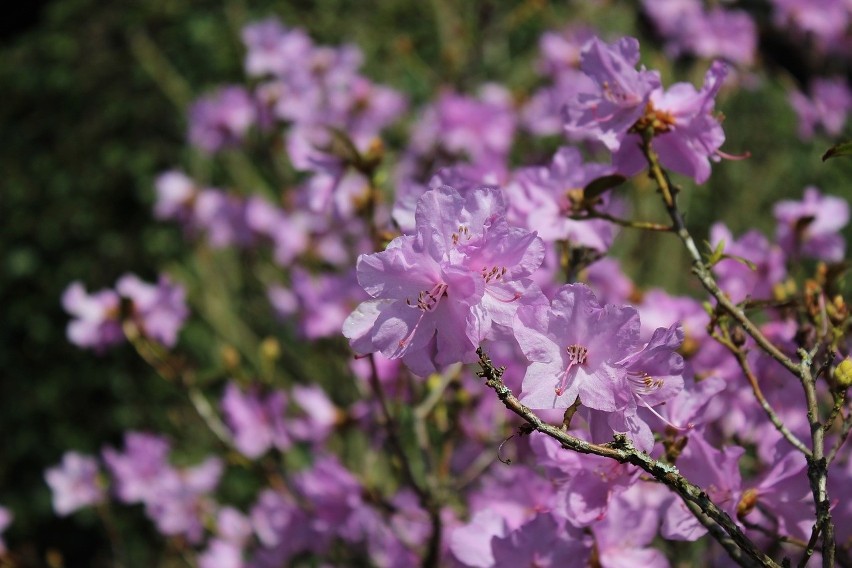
(222, 119)
(273, 49)
(811, 227)
(574, 347)
(138, 471)
(653, 376)
(5, 520)
(439, 292)
(717, 471)
(181, 501)
(97, 323)
(620, 94)
(687, 136)
(542, 543)
(827, 105)
(74, 483)
(159, 309)
(739, 280)
(539, 198)
(257, 422)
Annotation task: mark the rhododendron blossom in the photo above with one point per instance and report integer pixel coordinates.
(621, 92)
(627, 103)
(439, 292)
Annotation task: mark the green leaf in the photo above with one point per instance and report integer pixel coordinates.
(597, 187)
(842, 149)
(747, 262)
(717, 254)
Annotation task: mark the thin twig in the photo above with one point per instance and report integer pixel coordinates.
(425, 408)
(817, 463)
(642, 225)
(424, 495)
(839, 401)
(700, 269)
(811, 546)
(845, 428)
(738, 353)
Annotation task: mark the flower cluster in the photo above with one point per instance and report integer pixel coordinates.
(439, 292)
(157, 310)
(381, 450)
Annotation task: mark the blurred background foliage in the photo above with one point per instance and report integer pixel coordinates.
(93, 97)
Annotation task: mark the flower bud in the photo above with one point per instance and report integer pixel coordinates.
(747, 503)
(843, 374)
(230, 357)
(738, 336)
(838, 311)
(270, 349)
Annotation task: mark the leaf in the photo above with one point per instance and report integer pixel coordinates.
(717, 254)
(747, 262)
(597, 187)
(842, 149)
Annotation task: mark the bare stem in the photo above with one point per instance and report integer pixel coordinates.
(729, 535)
(845, 428)
(740, 355)
(427, 501)
(642, 225)
(700, 269)
(817, 464)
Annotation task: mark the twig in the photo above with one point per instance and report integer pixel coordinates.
(845, 428)
(478, 467)
(642, 225)
(424, 495)
(738, 353)
(774, 535)
(700, 269)
(839, 401)
(817, 463)
(171, 369)
(424, 408)
(811, 546)
(738, 545)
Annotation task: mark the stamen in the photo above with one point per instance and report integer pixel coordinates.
(577, 355)
(644, 382)
(407, 338)
(462, 232)
(727, 156)
(428, 300)
(688, 426)
(508, 300)
(496, 273)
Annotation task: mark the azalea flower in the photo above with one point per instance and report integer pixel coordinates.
(439, 292)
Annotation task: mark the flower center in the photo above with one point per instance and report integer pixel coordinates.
(643, 383)
(660, 121)
(428, 300)
(495, 274)
(461, 233)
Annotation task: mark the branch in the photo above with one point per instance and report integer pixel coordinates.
(817, 464)
(845, 428)
(170, 369)
(424, 495)
(758, 394)
(643, 225)
(699, 268)
(728, 534)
